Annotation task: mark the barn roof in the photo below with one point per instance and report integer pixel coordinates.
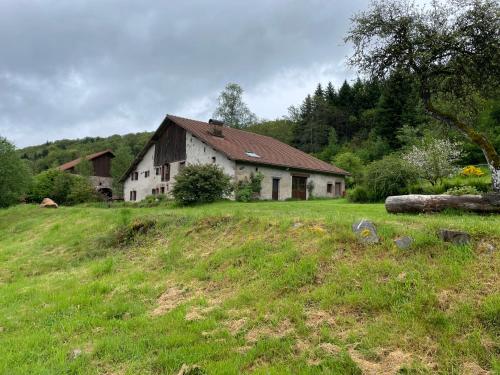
(243, 146)
(74, 163)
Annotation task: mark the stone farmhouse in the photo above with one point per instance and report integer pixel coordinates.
(101, 170)
(179, 142)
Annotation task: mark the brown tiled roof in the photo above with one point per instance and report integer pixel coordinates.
(236, 143)
(74, 163)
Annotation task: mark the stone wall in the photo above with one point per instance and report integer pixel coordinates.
(243, 171)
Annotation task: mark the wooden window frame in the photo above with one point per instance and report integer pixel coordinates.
(165, 172)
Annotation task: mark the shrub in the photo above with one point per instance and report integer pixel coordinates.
(52, 183)
(201, 183)
(351, 163)
(248, 190)
(62, 187)
(81, 191)
(153, 200)
(15, 176)
(358, 195)
(310, 189)
(463, 190)
(388, 176)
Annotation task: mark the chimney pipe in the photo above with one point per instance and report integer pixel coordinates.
(216, 127)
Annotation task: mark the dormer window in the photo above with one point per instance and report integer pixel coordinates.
(252, 154)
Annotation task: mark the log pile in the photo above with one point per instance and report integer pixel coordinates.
(487, 203)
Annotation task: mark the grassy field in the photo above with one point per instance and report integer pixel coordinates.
(265, 288)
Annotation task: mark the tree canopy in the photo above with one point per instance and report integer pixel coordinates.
(232, 109)
(449, 50)
(15, 177)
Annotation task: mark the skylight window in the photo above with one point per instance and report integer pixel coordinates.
(252, 154)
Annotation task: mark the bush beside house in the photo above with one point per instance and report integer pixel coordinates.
(201, 183)
(62, 187)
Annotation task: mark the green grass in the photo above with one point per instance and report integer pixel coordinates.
(265, 288)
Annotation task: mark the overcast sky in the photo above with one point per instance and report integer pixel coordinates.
(70, 69)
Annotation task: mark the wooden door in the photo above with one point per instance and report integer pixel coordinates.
(338, 191)
(299, 187)
(276, 189)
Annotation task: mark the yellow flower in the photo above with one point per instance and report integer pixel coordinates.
(470, 171)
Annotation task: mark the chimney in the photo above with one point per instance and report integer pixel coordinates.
(216, 128)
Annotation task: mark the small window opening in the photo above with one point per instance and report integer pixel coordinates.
(214, 159)
(329, 188)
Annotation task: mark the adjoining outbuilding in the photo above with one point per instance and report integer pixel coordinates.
(287, 171)
(100, 176)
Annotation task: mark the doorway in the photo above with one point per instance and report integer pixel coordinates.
(299, 187)
(338, 189)
(276, 189)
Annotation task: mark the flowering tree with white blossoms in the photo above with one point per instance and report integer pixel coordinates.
(434, 159)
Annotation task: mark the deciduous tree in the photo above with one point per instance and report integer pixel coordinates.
(15, 176)
(451, 50)
(232, 109)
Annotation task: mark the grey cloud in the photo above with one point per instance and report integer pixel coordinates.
(84, 68)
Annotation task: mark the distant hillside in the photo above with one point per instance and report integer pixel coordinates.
(52, 154)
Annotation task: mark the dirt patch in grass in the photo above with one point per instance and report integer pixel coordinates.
(199, 313)
(391, 362)
(471, 368)
(170, 299)
(176, 295)
(329, 348)
(283, 329)
(317, 318)
(235, 326)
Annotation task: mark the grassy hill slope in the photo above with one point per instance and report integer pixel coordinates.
(266, 288)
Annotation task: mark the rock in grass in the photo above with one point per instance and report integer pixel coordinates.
(404, 242)
(48, 203)
(191, 370)
(454, 236)
(365, 231)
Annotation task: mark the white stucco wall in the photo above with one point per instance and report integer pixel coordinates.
(197, 152)
(285, 186)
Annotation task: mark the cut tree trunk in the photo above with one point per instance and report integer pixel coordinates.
(487, 203)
